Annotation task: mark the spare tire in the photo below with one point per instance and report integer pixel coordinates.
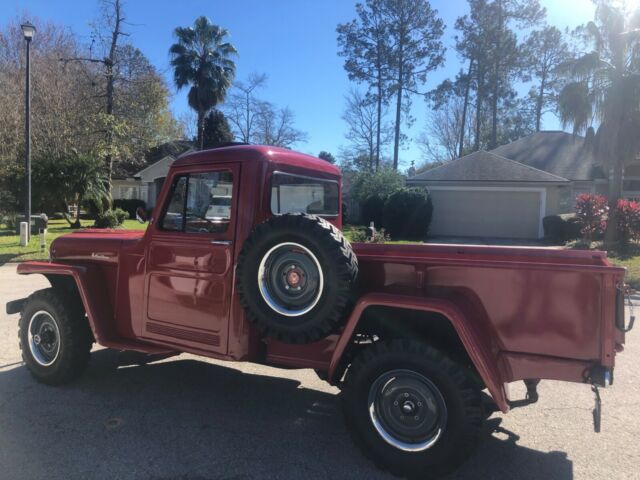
(295, 277)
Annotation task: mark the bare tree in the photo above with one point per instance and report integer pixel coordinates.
(440, 140)
(108, 31)
(361, 116)
(242, 106)
(274, 126)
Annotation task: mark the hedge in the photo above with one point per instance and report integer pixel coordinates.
(129, 205)
(561, 228)
(407, 213)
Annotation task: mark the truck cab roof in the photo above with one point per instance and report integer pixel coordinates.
(260, 153)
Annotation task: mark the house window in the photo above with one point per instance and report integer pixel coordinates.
(128, 193)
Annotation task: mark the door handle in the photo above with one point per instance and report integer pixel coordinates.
(221, 242)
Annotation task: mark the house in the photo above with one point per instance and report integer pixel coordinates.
(131, 182)
(506, 192)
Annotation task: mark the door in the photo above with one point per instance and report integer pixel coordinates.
(188, 282)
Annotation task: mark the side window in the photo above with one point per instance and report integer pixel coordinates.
(200, 203)
(174, 215)
(209, 202)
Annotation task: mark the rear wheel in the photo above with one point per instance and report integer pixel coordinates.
(55, 338)
(414, 411)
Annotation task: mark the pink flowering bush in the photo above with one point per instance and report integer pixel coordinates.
(628, 220)
(591, 212)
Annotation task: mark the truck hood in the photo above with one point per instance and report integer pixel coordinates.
(94, 245)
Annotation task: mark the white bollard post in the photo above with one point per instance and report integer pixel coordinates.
(24, 234)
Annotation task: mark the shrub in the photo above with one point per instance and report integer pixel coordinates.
(383, 182)
(561, 228)
(407, 213)
(129, 205)
(121, 215)
(371, 210)
(107, 219)
(591, 212)
(628, 220)
(91, 207)
(361, 235)
(10, 221)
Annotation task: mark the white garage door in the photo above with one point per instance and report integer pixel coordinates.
(486, 213)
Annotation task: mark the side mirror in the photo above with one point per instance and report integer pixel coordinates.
(141, 214)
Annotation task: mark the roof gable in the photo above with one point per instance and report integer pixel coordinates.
(556, 152)
(483, 166)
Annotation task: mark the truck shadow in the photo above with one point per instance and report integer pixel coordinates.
(184, 419)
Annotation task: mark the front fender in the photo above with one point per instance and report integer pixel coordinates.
(477, 349)
(91, 291)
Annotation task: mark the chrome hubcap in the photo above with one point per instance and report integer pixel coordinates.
(407, 410)
(290, 279)
(43, 338)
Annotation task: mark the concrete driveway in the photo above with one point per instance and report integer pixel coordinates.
(187, 418)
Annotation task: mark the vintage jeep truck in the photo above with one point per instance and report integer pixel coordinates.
(244, 260)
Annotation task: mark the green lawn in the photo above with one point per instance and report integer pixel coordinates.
(628, 257)
(11, 251)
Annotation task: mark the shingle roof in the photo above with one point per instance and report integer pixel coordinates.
(559, 153)
(128, 168)
(485, 166)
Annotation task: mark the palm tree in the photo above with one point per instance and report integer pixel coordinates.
(603, 91)
(84, 177)
(201, 59)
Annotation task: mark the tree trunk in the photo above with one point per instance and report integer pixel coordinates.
(496, 80)
(615, 193)
(396, 140)
(201, 115)
(248, 129)
(539, 102)
(464, 109)
(77, 223)
(109, 62)
(479, 100)
(378, 122)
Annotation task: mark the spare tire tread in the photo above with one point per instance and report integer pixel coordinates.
(337, 252)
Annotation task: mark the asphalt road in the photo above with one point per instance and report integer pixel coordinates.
(196, 419)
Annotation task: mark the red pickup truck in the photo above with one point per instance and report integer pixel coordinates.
(244, 260)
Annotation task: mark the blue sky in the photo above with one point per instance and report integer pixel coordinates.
(292, 41)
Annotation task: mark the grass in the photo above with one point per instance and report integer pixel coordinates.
(627, 256)
(11, 251)
(353, 234)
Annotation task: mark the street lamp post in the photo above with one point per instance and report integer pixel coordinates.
(28, 30)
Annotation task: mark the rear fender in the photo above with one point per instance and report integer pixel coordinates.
(90, 288)
(477, 349)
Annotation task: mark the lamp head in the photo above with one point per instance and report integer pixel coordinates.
(28, 30)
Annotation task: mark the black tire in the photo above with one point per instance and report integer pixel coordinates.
(323, 267)
(65, 355)
(449, 442)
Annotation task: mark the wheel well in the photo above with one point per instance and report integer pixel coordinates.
(391, 323)
(65, 285)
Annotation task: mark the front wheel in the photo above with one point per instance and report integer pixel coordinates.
(55, 338)
(414, 411)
